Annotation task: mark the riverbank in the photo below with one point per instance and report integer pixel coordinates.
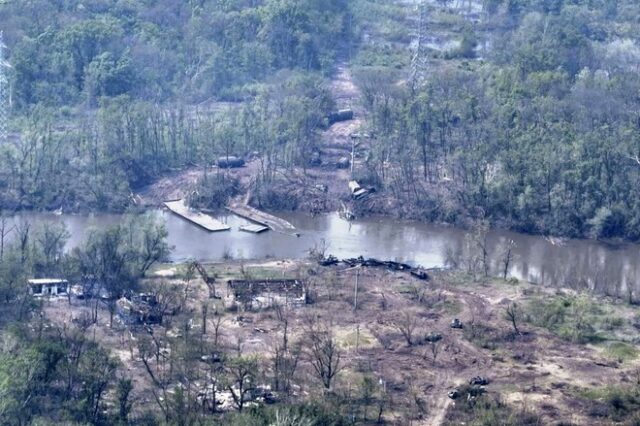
(580, 264)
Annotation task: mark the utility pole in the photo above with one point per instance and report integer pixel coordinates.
(355, 291)
(4, 93)
(419, 59)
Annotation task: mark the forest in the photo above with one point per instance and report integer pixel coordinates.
(530, 121)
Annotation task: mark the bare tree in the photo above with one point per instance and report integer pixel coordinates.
(406, 324)
(418, 292)
(218, 320)
(5, 230)
(434, 350)
(514, 314)
(241, 375)
(285, 361)
(189, 274)
(167, 298)
(23, 230)
(319, 250)
(476, 249)
(154, 359)
(325, 355)
(205, 311)
(507, 256)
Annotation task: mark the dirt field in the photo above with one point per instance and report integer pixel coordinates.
(535, 372)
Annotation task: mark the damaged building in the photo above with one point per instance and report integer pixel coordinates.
(139, 309)
(263, 294)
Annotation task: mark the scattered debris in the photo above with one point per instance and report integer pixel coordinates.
(343, 163)
(479, 381)
(255, 229)
(260, 294)
(371, 262)
(358, 192)
(360, 261)
(328, 261)
(420, 274)
(139, 309)
(211, 359)
(433, 337)
(322, 188)
(315, 159)
(357, 135)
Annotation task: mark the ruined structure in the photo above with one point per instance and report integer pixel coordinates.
(139, 309)
(263, 294)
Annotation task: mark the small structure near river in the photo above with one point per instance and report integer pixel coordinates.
(204, 221)
(48, 286)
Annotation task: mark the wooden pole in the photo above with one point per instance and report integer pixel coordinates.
(353, 154)
(355, 292)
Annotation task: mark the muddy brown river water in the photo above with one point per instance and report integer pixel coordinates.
(604, 267)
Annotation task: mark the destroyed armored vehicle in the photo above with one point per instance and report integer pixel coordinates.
(456, 323)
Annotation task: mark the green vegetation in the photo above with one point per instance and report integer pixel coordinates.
(50, 374)
(528, 117)
(71, 52)
(485, 410)
(540, 135)
(576, 319)
(108, 96)
(622, 351)
(582, 319)
(617, 404)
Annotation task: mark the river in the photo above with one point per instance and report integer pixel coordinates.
(603, 267)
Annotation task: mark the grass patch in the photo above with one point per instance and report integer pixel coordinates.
(382, 56)
(347, 338)
(487, 410)
(449, 306)
(616, 403)
(621, 351)
(482, 335)
(577, 319)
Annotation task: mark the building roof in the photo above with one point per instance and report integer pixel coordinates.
(42, 281)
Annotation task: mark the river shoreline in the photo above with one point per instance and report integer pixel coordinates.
(603, 267)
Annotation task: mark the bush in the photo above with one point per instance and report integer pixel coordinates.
(622, 351)
(487, 410)
(214, 191)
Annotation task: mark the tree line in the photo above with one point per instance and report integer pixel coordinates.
(72, 52)
(541, 135)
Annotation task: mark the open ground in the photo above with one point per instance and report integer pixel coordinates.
(382, 326)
